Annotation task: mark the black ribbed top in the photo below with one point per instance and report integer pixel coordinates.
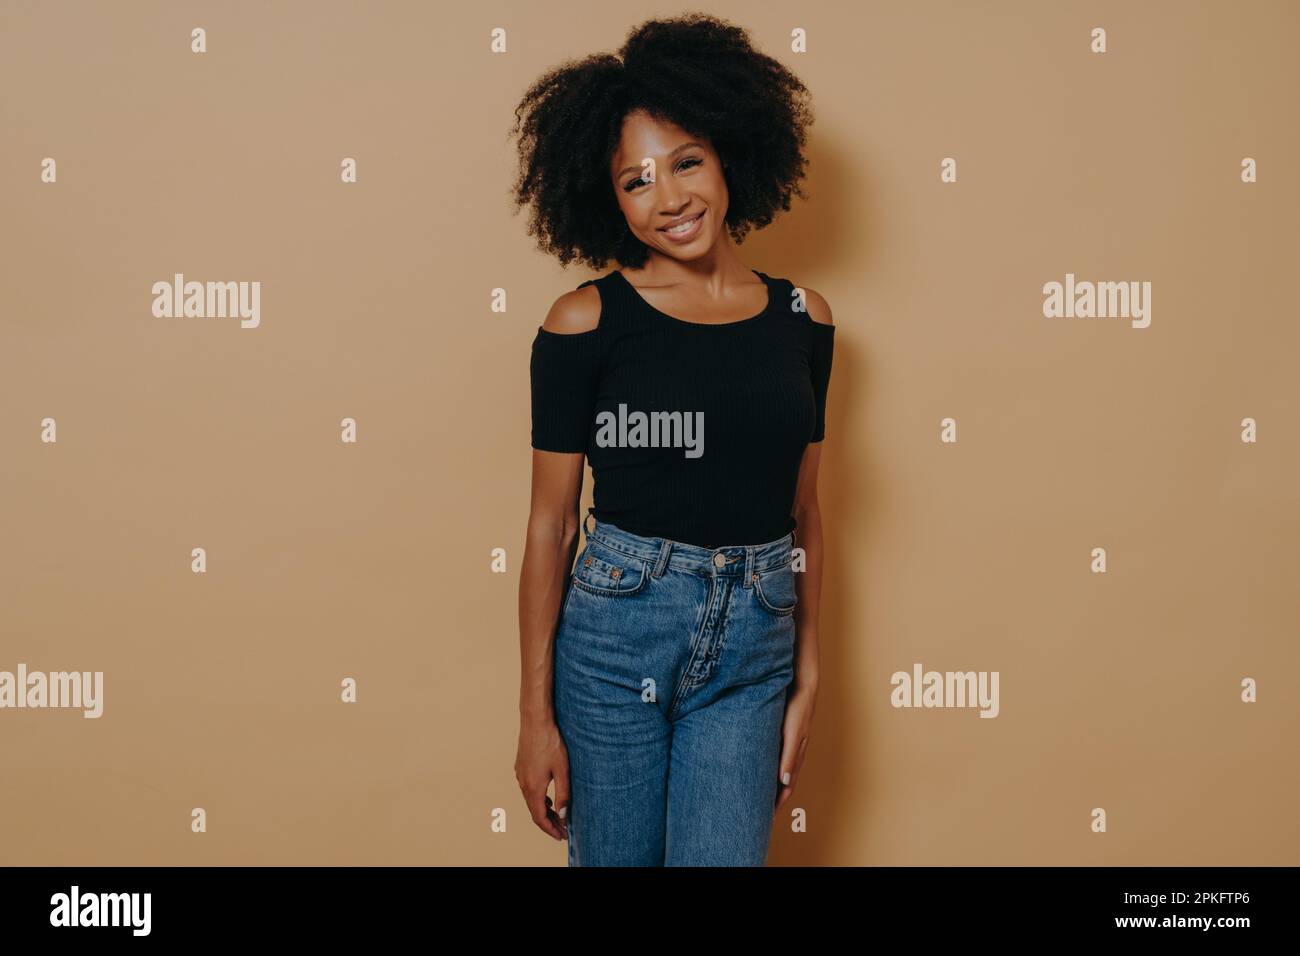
(760, 384)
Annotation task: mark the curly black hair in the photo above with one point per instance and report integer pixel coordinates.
(696, 71)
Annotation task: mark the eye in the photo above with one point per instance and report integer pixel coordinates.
(684, 164)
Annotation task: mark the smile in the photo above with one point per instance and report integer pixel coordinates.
(684, 230)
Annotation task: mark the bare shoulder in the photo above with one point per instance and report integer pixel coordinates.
(573, 312)
(819, 310)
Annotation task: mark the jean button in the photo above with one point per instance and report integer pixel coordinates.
(719, 559)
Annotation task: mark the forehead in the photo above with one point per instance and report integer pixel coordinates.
(644, 135)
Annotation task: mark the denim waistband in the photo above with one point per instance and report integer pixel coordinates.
(739, 560)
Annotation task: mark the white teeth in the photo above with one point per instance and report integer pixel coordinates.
(684, 226)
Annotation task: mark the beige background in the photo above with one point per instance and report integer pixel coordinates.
(373, 560)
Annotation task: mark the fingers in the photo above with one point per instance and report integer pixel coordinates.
(791, 764)
(788, 766)
(539, 808)
(562, 798)
(555, 822)
(784, 783)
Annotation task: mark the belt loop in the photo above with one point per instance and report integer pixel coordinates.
(662, 564)
(749, 565)
(589, 523)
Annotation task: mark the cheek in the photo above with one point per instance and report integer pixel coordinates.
(637, 210)
(715, 189)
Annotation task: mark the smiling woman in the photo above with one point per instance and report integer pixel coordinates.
(686, 637)
(746, 114)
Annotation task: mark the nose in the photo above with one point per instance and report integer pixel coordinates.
(671, 197)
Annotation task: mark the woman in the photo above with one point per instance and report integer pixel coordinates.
(669, 678)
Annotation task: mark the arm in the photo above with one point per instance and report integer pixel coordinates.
(802, 698)
(549, 549)
(543, 582)
(808, 585)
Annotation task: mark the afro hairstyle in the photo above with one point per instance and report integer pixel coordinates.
(696, 71)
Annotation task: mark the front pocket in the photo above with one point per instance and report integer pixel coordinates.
(775, 590)
(603, 571)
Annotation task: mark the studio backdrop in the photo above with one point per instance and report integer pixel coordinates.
(260, 546)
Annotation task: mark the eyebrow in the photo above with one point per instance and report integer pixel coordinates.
(637, 168)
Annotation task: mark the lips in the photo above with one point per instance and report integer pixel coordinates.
(690, 230)
(681, 222)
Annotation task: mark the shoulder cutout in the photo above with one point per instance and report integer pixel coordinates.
(574, 312)
(819, 310)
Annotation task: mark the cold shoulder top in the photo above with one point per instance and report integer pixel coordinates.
(694, 431)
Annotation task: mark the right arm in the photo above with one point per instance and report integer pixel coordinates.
(549, 550)
(543, 581)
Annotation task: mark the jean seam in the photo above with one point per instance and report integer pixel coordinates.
(605, 543)
(720, 642)
(615, 592)
(770, 608)
(627, 554)
(684, 683)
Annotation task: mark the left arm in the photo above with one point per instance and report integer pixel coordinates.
(802, 697)
(808, 584)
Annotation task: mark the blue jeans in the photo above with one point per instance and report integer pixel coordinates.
(672, 664)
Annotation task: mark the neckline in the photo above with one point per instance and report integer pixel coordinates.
(767, 306)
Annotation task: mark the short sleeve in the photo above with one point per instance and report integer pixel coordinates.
(820, 354)
(564, 373)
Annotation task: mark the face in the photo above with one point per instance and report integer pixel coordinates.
(663, 176)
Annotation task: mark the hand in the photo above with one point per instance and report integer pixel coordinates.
(542, 757)
(794, 739)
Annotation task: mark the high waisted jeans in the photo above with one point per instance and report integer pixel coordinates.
(672, 664)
